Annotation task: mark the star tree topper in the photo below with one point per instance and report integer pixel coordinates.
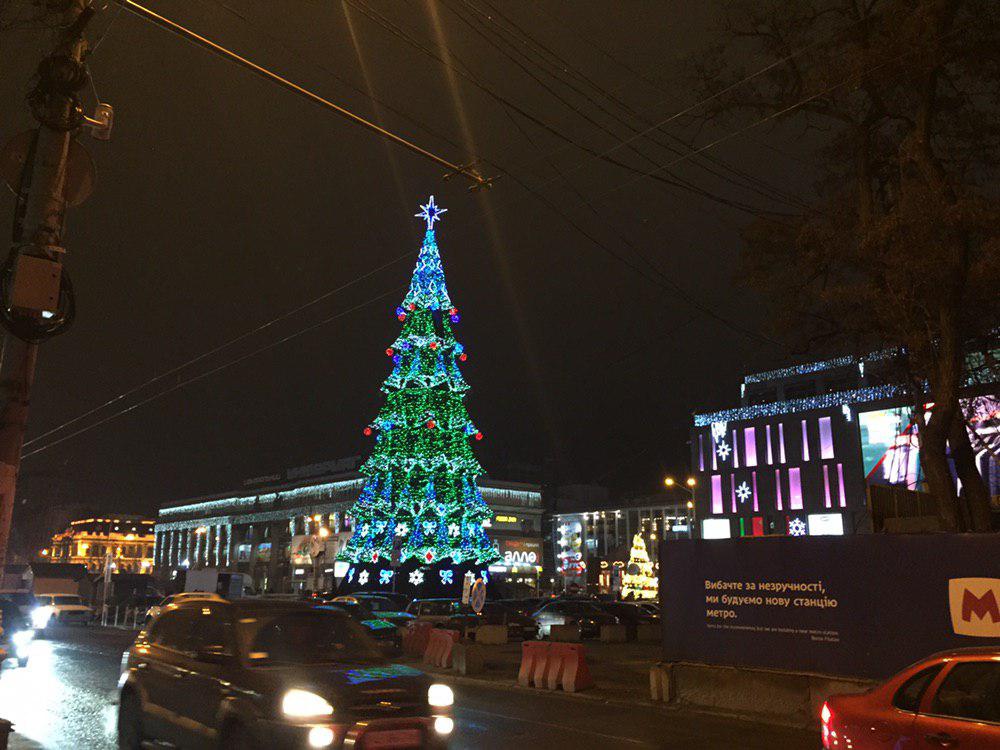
(430, 212)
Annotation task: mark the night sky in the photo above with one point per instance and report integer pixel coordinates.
(223, 202)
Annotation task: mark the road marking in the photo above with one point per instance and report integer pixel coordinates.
(561, 727)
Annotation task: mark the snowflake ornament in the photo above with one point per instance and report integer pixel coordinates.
(722, 450)
(743, 492)
(447, 576)
(402, 529)
(384, 577)
(365, 530)
(362, 577)
(796, 527)
(416, 577)
(454, 529)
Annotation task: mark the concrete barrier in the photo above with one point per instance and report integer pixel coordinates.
(491, 635)
(467, 659)
(614, 633)
(647, 633)
(770, 696)
(565, 633)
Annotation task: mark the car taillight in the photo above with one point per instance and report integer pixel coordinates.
(826, 716)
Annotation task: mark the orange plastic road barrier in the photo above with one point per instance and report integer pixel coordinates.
(415, 638)
(534, 657)
(567, 668)
(440, 644)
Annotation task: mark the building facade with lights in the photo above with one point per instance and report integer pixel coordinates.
(822, 448)
(590, 548)
(128, 540)
(286, 530)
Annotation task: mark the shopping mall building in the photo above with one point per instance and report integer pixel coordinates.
(286, 530)
(825, 448)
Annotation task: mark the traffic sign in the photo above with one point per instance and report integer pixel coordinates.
(467, 587)
(477, 597)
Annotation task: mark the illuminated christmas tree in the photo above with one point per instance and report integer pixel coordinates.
(639, 581)
(421, 498)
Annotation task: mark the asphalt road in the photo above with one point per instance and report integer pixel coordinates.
(65, 698)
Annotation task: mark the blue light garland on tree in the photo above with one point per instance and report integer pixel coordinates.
(421, 498)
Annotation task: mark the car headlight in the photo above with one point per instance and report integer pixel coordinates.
(40, 616)
(21, 639)
(302, 704)
(440, 696)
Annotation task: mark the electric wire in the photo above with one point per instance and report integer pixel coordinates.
(207, 373)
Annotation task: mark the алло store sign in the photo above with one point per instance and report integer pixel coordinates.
(864, 605)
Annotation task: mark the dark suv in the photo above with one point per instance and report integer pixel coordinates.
(272, 674)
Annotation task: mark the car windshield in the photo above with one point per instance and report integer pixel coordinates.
(20, 598)
(379, 605)
(443, 607)
(579, 608)
(57, 600)
(305, 637)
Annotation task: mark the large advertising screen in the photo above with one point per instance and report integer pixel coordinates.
(890, 450)
(864, 605)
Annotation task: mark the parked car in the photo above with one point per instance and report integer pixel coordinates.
(399, 601)
(950, 699)
(60, 609)
(384, 633)
(384, 608)
(24, 599)
(630, 615)
(254, 673)
(17, 634)
(438, 611)
(580, 612)
(155, 610)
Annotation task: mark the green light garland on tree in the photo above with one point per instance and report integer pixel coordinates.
(421, 497)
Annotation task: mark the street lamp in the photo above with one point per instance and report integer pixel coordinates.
(691, 483)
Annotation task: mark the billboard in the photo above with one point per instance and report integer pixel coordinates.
(861, 605)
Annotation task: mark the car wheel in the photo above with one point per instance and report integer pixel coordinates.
(130, 735)
(235, 736)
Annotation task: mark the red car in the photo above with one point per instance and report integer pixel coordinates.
(950, 699)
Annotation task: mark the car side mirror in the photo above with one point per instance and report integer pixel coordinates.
(212, 654)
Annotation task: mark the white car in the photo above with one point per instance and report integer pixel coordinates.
(64, 609)
(155, 610)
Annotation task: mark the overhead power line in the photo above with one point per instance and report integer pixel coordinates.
(262, 72)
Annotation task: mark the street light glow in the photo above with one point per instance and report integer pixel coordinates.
(669, 481)
(690, 482)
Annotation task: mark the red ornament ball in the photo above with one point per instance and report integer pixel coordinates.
(389, 352)
(434, 345)
(374, 557)
(479, 436)
(453, 311)
(367, 431)
(429, 556)
(462, 357)
(412, 306)
(431, 424)
(402, 317)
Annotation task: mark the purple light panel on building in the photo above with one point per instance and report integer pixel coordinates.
(805, 441)
(770, 453)
(716, 493)
(756, 503)
(843, 492)
(701, 453)
(777, 484)
(732, 483)
(825, 438)
(826, 485)
(750, 446)
(781, 442)
(736, 452)
(794, 489)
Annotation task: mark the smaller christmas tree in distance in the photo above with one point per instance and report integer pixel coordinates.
(639, 581)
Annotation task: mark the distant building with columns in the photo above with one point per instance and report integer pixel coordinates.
(285, 530)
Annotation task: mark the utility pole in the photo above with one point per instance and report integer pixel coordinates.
(35, 294)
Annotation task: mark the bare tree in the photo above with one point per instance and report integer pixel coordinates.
(900, 247)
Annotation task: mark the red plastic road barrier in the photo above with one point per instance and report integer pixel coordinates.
(534, 657)
(567, 667)
(439, 647)
(415, 638)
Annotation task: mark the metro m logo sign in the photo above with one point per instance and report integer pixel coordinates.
(975, 606)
